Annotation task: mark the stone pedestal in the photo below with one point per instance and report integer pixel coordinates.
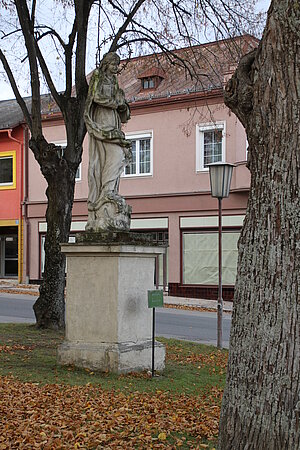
(108, 323)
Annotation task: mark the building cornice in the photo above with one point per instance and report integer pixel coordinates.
(163, 195)
(177, 101)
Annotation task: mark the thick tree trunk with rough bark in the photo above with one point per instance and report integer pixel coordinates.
(50, 306)
(58, 170)
(261, 403)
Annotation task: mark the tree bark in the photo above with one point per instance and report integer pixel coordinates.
(60, 175)
(261, 402)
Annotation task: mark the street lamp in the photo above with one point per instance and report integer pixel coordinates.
(220, 179)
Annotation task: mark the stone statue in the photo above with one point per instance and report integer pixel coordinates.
(109, 151)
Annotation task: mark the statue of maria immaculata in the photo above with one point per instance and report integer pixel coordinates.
(109, 151)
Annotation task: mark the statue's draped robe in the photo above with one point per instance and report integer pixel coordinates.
(106, 159)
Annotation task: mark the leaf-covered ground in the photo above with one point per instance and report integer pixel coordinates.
(50, 407)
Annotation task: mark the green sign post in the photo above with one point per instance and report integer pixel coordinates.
(155, 300)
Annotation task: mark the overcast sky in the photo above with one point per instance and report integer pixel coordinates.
(6, 91)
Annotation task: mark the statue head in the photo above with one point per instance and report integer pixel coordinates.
(108, 61)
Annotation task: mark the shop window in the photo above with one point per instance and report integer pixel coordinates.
(141, 163)
(160, 237)
(200, 257)
(210, 145)
(8, 170)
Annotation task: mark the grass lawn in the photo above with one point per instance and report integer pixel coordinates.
(43, 405)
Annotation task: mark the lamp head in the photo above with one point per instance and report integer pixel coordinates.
(220, 178)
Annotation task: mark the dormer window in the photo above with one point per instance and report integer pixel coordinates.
(151, 78)
(148, 83)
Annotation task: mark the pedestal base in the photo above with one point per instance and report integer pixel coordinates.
(108, 322)
(117, 358)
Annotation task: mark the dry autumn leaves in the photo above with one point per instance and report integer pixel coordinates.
(59, 416)
(55, 416)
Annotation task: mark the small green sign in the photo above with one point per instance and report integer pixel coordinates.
(155, 299)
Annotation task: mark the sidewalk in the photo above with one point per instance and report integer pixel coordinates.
(196, 303)
(13, 287)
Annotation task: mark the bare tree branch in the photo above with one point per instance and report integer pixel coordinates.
(50, 31)
(47, 76)
(68, 58)
(28, 33)
(15, 89)
(122, 29)
(5, 35)
(33, 7)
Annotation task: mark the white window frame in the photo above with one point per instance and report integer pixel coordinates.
(64, 144)
(200, 129)
(136, 136)
(79, 173)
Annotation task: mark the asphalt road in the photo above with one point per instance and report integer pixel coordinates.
(180, 324)
(16, 308)
(192, 325)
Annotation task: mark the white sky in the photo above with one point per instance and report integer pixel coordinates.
(6, 91)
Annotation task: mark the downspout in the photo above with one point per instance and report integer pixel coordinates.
(25, 202)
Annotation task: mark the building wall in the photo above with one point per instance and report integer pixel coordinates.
(172, 149)
(54, 131)
(174, 190)
(11, 196)
(175, 149)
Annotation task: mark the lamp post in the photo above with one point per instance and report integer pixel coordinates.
(220, 178)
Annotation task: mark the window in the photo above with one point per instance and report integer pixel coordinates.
(151, 77)
(200, 257)
(160, 237)
(63, 146)
(78, 173)
(8, 170)
(141, 163)
(148, 83)
(210, 142)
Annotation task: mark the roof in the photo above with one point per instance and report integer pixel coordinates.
(11, 114)
(152, 72)
(193, 69)
(188, 70)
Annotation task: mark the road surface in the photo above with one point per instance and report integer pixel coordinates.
(180, 324)
(16, 308)
(192, 325)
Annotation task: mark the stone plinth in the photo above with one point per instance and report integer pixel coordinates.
(108, 323)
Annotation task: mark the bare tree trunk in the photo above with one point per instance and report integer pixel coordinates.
(50, 306)
(261, 403)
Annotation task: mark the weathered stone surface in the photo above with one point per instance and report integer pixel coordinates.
(108, 323)
(109, 151)
(116, 358)
(115, 238)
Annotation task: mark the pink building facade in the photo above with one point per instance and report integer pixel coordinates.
(175, 134)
